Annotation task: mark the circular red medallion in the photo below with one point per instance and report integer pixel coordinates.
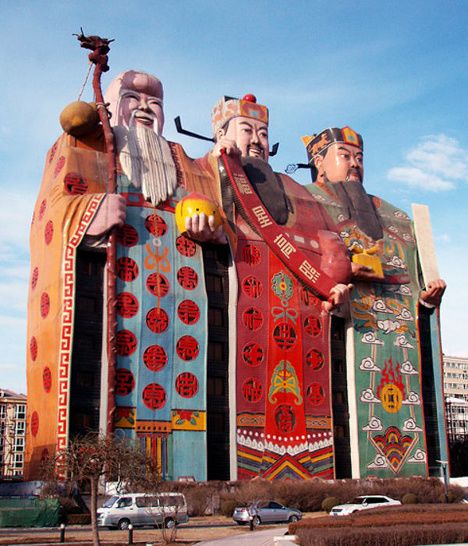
(125, 342)
(45, 304)
(188, 312)
(59, 165)
(155, 358)
(46, 379)
(127, 305)
(252, 389)
(252, 287)
(187, 348)
(313, 326)
(284, 335)
(157, 284)
(34, 277)
(33, 348)
(124, 382)
(127, 269)
(252, 354)
(315, 394)
(127, 235)
(187, 278)
(315, 359)
(285, 418)
(186, 384)
(154, 396)
(185, 246)
(157, 320)
(34, 423)
(252, 318)
(49, 232)
(52, 152)
(251, 254)
(42, 209)
(307, 298)
(75, 184)
(156, 225)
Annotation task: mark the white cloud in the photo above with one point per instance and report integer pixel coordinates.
(436, 164)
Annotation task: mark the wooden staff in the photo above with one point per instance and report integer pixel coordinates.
(99, 49)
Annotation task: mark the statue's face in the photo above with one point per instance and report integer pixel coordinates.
(341, 163)
(141, 101)
(250, 136)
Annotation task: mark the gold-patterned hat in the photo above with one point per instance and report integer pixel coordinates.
(318, 143)
(229, 107)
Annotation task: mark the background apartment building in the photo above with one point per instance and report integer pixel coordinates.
(12, 434)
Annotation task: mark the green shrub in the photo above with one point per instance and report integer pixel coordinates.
(409, 498)
(329, 503)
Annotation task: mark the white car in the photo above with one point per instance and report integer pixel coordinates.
(363, 503)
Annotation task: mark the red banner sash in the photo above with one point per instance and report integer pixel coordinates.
(260, 220)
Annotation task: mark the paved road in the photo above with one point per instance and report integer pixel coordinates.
(255, 538)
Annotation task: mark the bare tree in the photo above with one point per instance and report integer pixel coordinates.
(92, 458)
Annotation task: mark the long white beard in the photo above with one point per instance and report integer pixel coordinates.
(147, 161)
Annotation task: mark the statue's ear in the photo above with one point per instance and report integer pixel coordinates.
(220, 133)
(318, 161)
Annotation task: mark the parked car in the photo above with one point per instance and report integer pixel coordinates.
(265, 512)
(363, 502)
(139, 509)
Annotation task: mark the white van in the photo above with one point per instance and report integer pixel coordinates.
(138, 509)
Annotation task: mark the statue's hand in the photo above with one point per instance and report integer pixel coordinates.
(338, 295)
(111, 213)
(432, 295)
(226, 144)
(361, 272)
(201, 228)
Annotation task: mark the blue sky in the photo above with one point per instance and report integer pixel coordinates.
(395, 71)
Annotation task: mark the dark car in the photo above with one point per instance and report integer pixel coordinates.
(265, 512)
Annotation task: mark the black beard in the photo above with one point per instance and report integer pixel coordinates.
(358, 206)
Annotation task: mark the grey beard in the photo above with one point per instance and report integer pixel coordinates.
(147, 162)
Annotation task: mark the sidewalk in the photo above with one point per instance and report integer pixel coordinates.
(255, 538)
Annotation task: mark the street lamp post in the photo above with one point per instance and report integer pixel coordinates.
(445, 475)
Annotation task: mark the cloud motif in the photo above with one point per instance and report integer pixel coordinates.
(405, 314)
(369, 338)
(408, 237)
(393, 229)
(368, 365)
(400, 214)
(369, 397)
(374, 424)
(407, 368)
(418, 457)
(397, 262)
(404, 290)
(412, 399)
(388, 326)
(410, 426)
(402, 342)
(381, 307)
(378, 462)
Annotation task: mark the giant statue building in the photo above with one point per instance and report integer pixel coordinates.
(241, 348)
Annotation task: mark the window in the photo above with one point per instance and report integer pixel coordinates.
(18, 461)
(215, 386)
(2, 411)
(214, 283)
(215, 317)
(124, 502)
(20, 427)
(19, 444)
(216, 351)
(20, 411)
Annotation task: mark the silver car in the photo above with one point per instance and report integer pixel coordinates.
(265, 512)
